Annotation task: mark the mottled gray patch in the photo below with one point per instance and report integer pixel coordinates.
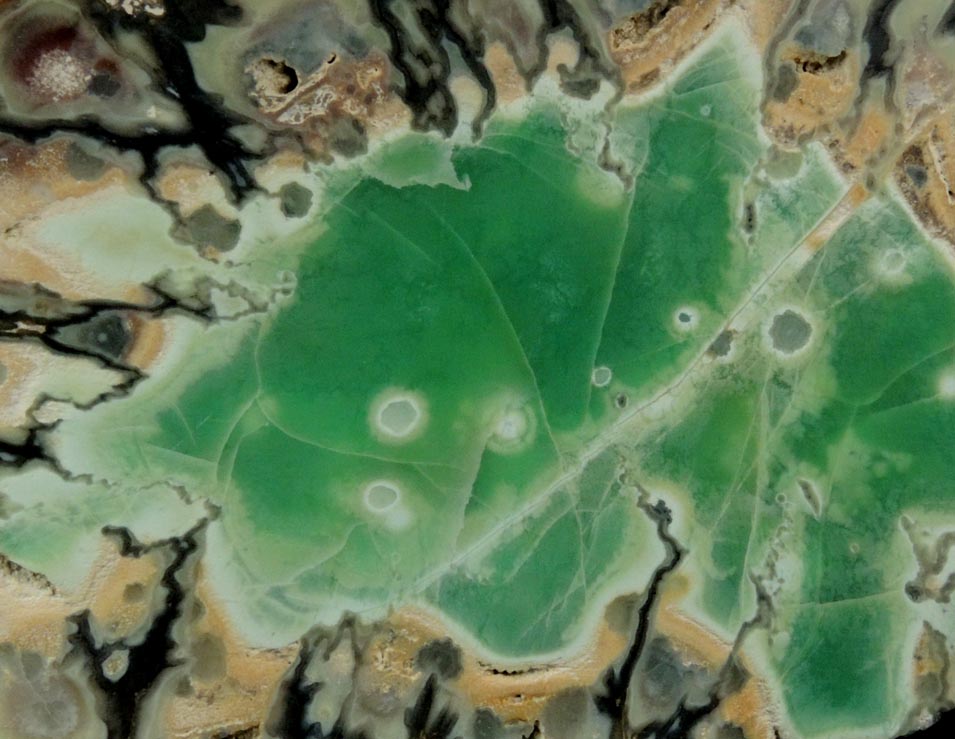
(209, 657)
(348, 137)
(789, 332)
(917, 174)
(206, 227)
(42, 705)
(621, 613)
(33, 665)
(566, 714)
(661, 683)
(134, 592)
(295, 200)
(487, 725)
(783, 164)
(83, 165)
(383, 701)
(583, 88)
(730, 731)
(786, 81)
(103, 85)
(735, 676)
(106, 335)
(442, 656)
(722, 344)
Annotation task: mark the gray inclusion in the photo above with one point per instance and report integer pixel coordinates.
(487, 725)
(36, 301)
(48, 708)
(829, 28)
(786, 81)
(106, 335)
(790, 332)
(665, 684)
(209, 657)
(722, 344)
(622, 612)
(568, 715)
(442, 656)
(37, 700)
(206, 227)
(83, 165)
(295, 200)
(730, 731)
(347, 137)
(663, 674)
(782, 164)
(917, 174)
(104, 85)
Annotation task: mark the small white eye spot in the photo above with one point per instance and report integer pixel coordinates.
(381, 495)
(946, 384)
(397, 416)
(601, 376)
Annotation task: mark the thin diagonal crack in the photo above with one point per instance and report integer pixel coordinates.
(507, 319)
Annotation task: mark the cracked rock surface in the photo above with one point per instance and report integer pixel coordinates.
(476, 369)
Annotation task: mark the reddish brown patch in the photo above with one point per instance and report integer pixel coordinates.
(32, 49)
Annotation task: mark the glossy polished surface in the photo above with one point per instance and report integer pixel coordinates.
(550, 369)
